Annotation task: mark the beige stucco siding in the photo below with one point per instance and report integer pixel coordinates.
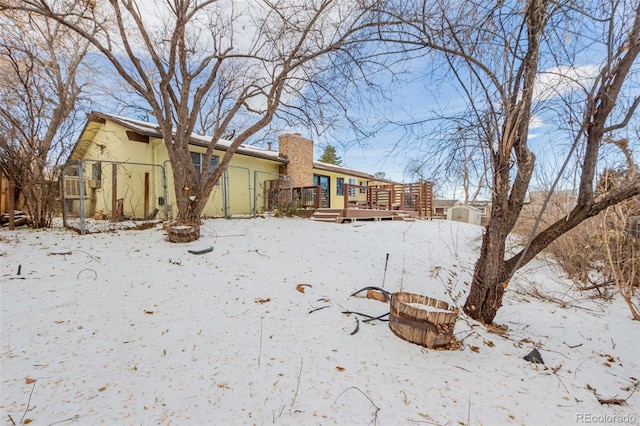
(104, 144)
(109, 142)
(240, 180)
(337, 201)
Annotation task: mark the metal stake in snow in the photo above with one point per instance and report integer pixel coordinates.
(18, 276)
(384, 277)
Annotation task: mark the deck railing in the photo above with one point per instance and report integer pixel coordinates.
(368, 197)
(305, 197)
(416, 197)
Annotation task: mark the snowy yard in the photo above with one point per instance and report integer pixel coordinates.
(127, 328)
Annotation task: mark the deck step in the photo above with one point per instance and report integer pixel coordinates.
(406, 217)
(325, 219)
(321, 216)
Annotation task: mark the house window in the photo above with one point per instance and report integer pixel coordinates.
(198, 158)
(340, 187)
(352, 191)
(363, 183)
(96, 171)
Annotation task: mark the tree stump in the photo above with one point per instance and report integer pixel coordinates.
(183, 232)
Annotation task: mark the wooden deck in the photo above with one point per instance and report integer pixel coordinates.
(376, 201)
(353, 215)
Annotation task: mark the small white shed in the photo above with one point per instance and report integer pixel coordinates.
(465, 213)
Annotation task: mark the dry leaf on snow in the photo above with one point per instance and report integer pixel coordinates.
(29, 380)
(263, 301)
(300, 287)
(376, 295)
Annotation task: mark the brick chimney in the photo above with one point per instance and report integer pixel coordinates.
(299, 152)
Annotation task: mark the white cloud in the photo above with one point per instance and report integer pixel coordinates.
(536, 122)
(561, 80)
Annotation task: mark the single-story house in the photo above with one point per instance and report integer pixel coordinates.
(441, 207)
(126, 168)
(126, 172)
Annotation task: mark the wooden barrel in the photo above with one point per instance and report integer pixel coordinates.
(422, 320)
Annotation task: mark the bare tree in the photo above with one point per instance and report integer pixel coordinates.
(41, 63)
(455, 156)
(221, 65)
(620, 244)
(498, 50)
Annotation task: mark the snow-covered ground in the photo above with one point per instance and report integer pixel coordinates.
(128, 328)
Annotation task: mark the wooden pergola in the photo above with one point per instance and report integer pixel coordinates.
(376, 201)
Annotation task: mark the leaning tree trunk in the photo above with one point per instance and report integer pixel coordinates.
(491, 274)
(485, 297)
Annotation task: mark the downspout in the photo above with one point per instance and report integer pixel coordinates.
(255, 193)
(225, 194)
(81, 190)
(164, 189)
(62, 198)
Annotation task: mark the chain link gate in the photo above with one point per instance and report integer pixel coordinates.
(111, 191)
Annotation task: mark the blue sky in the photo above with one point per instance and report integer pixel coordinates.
(390, 149)
(416, 101)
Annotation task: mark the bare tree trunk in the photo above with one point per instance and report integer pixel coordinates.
(599, 109)
(12, 203)
(491, 275)
(487, 288)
